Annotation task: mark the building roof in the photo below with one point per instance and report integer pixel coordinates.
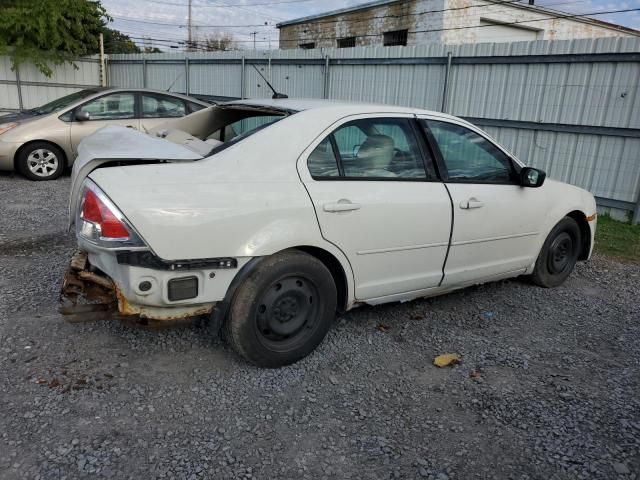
(535, 8)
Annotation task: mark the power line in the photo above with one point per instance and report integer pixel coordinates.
(201, 26)
(426, 12)
(396, 16)
(220, 5)
(517, 22)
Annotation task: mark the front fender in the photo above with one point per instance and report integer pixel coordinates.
(564, 199)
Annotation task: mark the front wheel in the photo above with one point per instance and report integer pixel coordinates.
(282, 310)
(559, 254)
(41, 161)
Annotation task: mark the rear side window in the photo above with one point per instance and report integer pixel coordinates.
(372, 148)
(161, 106)
(194, 107)
(323, 162)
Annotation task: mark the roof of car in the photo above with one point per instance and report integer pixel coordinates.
(149, 90)
(300, 104)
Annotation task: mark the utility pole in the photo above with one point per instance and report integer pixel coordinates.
(103, 69)
(254, 39)
(189, 35)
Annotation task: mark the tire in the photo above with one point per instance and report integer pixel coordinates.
(41, 161)
(559, 254)
(282, 310)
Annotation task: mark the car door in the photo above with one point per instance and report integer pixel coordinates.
(496, 222)
(377, 198)
(157, 109)
(116, 108)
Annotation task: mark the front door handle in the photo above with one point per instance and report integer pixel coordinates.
(341, 206)
(131, 126)
(471, 203)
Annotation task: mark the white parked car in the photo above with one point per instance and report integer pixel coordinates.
(273, 215)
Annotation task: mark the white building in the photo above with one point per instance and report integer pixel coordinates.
(412, 22)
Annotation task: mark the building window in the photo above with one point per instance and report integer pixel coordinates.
(347, 42)
(397, 37)
(308, 46)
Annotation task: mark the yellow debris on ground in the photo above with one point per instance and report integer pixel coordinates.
(446, 360)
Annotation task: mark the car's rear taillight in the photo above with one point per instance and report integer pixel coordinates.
(100, 222)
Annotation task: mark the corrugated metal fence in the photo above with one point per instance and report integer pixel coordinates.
(27, 88)
(569, 107)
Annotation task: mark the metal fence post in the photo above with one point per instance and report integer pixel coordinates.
(144, 73)
(636, 212)
(186, 75)
(445, 87)
(19, 87)
(325, 87)
(242, 78)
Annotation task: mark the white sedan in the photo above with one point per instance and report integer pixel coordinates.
(270, 216)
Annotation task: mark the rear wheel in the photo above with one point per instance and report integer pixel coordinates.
(41, 161)
(559, 254)
(282, 310)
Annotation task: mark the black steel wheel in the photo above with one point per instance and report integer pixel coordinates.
(282, 310)
(559, 254)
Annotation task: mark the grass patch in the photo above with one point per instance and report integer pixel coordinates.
(619, 240)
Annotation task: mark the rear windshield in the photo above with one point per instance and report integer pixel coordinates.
(233, 123)
(250, 126)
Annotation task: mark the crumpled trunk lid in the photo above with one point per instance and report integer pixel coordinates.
(117, 145)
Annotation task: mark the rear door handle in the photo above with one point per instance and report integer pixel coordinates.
(341, 206)
(471, 203)
(131, 126)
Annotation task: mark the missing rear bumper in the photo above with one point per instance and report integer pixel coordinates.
(87, 294)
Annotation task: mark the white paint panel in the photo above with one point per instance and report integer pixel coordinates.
(495, 32)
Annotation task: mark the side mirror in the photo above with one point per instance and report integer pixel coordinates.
(532, 177)
(82, 116)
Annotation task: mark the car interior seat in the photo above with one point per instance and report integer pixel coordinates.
(375, 156)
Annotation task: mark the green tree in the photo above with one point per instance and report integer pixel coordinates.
(49, 32)
(118, 42)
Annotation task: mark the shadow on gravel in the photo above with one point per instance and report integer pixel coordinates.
(38, 243)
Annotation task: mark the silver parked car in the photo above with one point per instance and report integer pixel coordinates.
(41, 142)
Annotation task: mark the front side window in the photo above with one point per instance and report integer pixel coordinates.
(373, 148)
(160, 106)
(111, 107)
(469, 157)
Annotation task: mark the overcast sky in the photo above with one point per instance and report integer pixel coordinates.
(242, 17)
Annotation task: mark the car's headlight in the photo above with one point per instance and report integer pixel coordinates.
(5, 127)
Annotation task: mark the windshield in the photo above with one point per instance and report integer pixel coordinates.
(65, 101)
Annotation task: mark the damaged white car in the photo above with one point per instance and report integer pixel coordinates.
(270, 216)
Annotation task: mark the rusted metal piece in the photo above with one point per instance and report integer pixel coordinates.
(160, 314)
(85, 295)
(79, 261)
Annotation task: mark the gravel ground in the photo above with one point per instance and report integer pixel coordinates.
(548, 386)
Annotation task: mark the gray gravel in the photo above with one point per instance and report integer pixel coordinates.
(548, 386)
